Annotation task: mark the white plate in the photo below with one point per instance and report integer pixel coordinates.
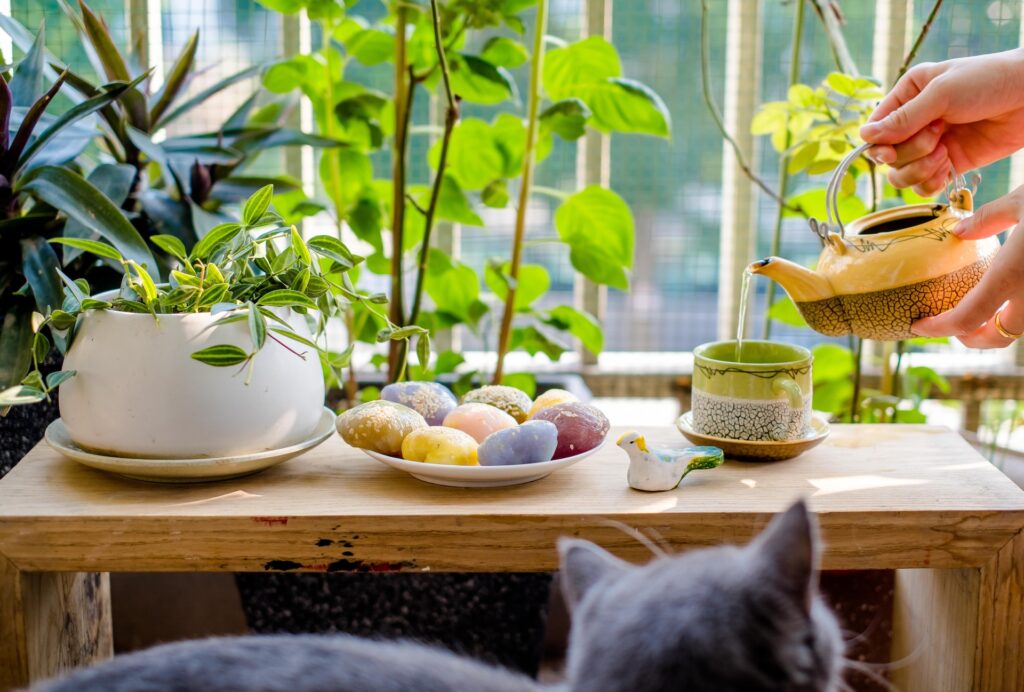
(187, 470)
(479, 476)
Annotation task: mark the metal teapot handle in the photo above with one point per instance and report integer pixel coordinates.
(956, 185)
(834, 186)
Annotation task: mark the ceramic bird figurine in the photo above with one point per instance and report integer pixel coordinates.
(663, 469)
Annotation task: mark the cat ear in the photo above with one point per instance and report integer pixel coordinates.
(583, 565)
(789, 546)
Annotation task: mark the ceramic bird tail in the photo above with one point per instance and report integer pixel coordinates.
(663, 469)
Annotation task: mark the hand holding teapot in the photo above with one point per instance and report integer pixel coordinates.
(969, 111)
(966, 112)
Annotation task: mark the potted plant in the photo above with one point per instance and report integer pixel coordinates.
(230, 349)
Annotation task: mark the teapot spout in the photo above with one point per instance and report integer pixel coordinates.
(812, 294)
(802, 284)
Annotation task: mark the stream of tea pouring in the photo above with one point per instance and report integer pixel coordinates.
(741, 324)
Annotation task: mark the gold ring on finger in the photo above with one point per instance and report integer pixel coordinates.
(1003, 331)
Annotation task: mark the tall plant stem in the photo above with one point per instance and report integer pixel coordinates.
(451, 116)
(352, 380)
(403, 99)
(831, 19)
(716, 115)
(925, 28)
(794, 77)
(858, 358)
(524, 186)
(901, 347)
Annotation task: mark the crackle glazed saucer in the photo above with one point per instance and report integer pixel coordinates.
(757, 450)
(480, 476)
(195, 470)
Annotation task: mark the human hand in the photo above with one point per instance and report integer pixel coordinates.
(966, 112)
(1000, 291)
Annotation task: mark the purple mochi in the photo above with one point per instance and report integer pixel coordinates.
(529, 443)
(581, 427)
(431, 400)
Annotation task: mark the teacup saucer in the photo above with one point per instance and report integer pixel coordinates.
(195, 470)
(757, 450)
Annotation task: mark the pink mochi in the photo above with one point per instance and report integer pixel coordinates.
(478, 420)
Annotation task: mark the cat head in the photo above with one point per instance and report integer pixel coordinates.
(725, 618)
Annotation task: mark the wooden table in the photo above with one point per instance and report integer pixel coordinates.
(912, 498)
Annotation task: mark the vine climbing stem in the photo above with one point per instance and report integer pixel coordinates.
(526, 181)
(794, 77)
(403, 98)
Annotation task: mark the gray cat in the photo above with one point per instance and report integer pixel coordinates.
(719, 619)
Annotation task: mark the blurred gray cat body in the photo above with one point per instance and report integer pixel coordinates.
(720, 619)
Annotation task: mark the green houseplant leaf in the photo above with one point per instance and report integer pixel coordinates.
(221, 356)
(567, 119)
(533, 283)
(68, 192)
(591, 60)
(27, 84)
(598, 227)
(582, 325)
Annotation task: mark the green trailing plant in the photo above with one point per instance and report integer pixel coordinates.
(241, 270)
(42, 196)
(466, 52)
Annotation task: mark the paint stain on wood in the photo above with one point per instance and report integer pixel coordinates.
(271, 521)
(323, 542)
(281, 565)
(347, 565)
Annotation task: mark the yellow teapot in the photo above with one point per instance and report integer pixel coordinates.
(887, 269)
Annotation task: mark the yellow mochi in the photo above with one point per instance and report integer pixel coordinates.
(436, 445)
(551, 398)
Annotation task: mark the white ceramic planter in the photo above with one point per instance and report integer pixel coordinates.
(139, 393)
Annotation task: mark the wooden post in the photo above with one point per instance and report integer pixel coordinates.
(739, 204)
(290, 40)
(6, 45)
(145, 39)
(593, 158)
(51, 622)
(960, 629)
(299, 161)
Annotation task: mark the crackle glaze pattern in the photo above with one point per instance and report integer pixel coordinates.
(749, 419)
(887, 315)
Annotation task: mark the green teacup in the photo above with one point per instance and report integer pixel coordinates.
(765, 397)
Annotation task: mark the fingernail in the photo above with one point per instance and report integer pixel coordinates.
(886, 155)
(935, 128)
(870, 129)
(962, 227)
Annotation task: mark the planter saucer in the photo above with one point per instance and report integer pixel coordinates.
(479, 476)
(757, 450)
(195, 470)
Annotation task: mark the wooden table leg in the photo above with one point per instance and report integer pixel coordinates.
(51, 622)
(961, 629)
